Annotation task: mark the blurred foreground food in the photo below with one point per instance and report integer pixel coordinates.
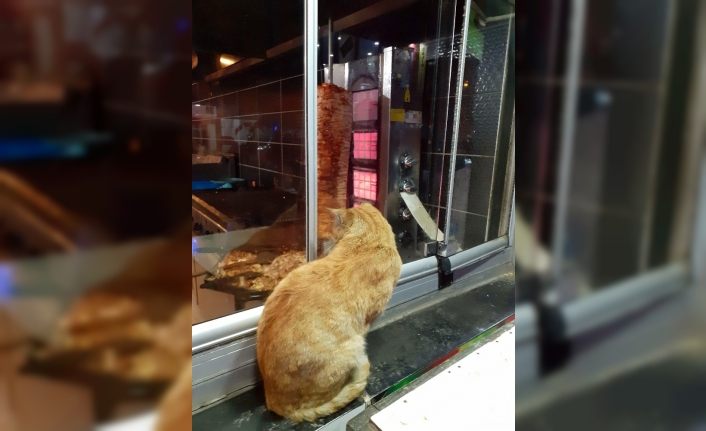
(94, 167)
(114, 348)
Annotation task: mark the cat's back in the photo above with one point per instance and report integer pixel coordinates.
(297, 298)
(300, 319)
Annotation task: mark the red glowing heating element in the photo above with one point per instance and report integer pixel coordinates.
(365, 145)
(365, 184)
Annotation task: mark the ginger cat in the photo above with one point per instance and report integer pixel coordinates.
(311, 336)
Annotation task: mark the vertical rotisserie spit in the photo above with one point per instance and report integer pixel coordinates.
(335, 122)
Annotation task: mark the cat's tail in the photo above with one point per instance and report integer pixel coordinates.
(347, 394)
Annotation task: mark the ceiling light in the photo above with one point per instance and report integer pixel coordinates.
(227, 60)
(377, 43)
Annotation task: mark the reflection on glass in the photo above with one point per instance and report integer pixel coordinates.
(248, 194)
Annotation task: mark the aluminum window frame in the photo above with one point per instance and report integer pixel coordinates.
(690, 222)
(507, 197)
(615, 301)
(565, 292)
(577, 24)
(698, 250)
(457, 119)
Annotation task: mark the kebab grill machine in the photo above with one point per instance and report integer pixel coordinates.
(387, 94)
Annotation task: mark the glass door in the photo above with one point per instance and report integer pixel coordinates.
(475, 150)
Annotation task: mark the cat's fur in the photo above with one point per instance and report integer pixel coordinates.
(311, 336)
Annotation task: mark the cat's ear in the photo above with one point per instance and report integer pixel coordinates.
(338, 216)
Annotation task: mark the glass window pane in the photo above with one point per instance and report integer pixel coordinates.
(481, 190)
(248, 161)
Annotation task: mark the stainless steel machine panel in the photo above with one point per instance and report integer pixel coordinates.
(398, 78)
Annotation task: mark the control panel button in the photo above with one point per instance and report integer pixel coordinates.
(405, 214)
(407, 185)
(407, 161)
